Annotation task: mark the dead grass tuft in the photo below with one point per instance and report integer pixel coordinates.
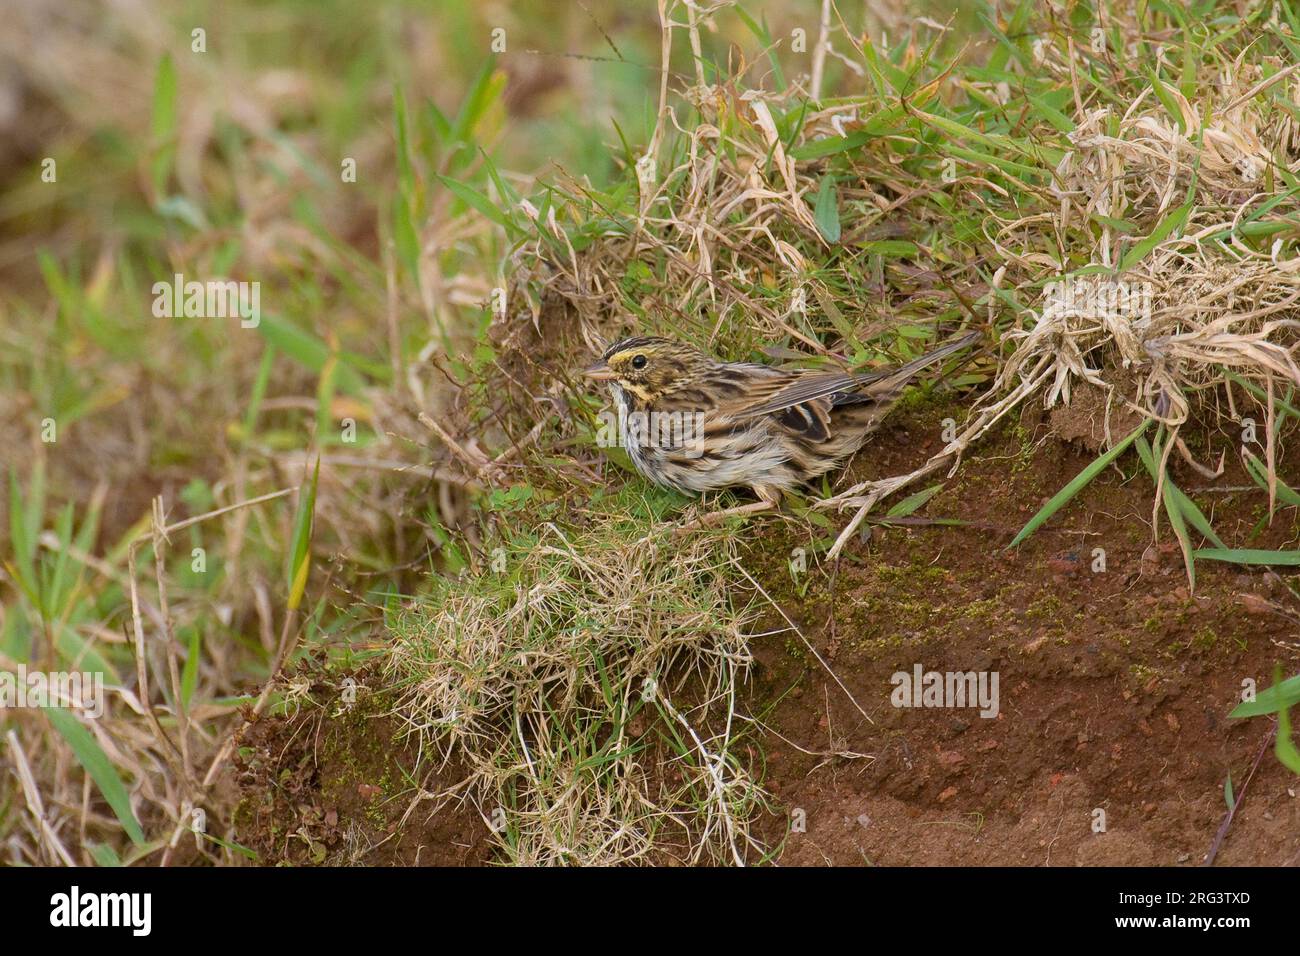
(590, 686)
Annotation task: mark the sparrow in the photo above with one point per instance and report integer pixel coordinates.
(694, 424)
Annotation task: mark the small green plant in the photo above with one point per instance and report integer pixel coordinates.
(1277, 699)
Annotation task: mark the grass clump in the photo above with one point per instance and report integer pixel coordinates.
(588, 680)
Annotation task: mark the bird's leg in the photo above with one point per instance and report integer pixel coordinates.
(717, 517)
(769, 498)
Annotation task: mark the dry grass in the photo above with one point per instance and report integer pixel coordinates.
(850, 206)
(1135, 185)
(589, 683)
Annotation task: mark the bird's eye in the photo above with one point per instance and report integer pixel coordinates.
(638, 361)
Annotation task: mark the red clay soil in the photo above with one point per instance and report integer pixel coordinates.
(1114, 688)
(322, 786)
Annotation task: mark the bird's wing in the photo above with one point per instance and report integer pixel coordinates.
(795, 388)
(792, 388)
(797, 400)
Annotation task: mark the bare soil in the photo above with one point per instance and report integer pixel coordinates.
(1114, 687)
(321, 785)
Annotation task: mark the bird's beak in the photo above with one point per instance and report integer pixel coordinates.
(600, 372)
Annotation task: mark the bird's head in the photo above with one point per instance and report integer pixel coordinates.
(650, 368)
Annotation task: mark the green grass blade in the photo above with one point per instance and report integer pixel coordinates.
(325, 389)
(1054, 116)
(1284, 746)
(1078, 484)
(1259, 472)
(826, 212)
(259, 392)
(486, 90)
(163, 126)
(309, 351)
(1167, 100)
(1173, 220)
(1261, 394)
(1281, 695)
(406, 237)
(96, 763)
(1193, 514)
(476, 200)
(1250, 556)
(912, 503)
(1175, 515)
(1015, 28)
(765, 38)
(300, 551)
(23, 567)
(190, 672)
(1187, 508)
(104, 855)
(873, 128)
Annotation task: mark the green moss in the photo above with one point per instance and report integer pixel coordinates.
(1046, 608)
(918, 573)
(1142, 673)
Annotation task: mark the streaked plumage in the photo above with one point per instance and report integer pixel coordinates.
(766, 428)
